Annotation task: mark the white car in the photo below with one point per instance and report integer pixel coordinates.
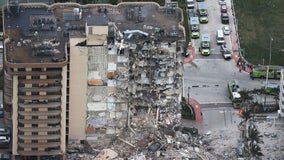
(221, 2)
(190, 4)
(226, 30)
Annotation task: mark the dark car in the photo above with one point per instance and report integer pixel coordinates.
(4, 141)
(4, 131)
(223, 8)
(225, 18)
(5, 156)
(1, 113)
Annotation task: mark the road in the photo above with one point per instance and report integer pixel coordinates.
(206, 77)
(215, 118)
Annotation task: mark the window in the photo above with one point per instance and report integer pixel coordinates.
(90, 30)
(34, 117)
(36, 69)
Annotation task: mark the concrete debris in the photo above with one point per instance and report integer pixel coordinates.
(149, 83)
(106, 154)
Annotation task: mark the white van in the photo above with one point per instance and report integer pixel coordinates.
(220, 37)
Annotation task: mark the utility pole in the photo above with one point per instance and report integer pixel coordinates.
(269, 62)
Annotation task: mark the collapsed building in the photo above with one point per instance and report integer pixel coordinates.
(90, 75)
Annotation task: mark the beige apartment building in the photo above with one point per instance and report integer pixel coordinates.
(77, 74)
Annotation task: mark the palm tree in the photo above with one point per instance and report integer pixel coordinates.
(254, 134)
(246, 116)
(246, 96)
(253, 140)
(255, 151)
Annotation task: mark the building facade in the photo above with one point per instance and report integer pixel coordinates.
(281, 95)
(82, 74)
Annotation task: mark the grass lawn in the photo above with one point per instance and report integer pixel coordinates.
(258, 20)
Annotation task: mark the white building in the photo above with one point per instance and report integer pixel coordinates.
(281, 95)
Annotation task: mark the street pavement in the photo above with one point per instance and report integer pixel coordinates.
(206, 77)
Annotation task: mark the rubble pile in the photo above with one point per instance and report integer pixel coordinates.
(152, 143)
(153, 130)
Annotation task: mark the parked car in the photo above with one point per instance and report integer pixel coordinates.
(5, 131)
(225, 18)
(226, 30)
(4, 141)
(223, 8)
(1, 35)
(221, 2)
(190, 4)
(1, 113)
(5, 156)
(227, 54)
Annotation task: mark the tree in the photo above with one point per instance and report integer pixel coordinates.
(246, 117)
(253, 140)
(246, 96)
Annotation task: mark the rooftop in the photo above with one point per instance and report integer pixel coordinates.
(39, 33)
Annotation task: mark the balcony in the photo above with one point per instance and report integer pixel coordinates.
(8, 90)
(39, 113)
(39, 145)
(39, 97)
(40, 89)
(39, 153)
(34, 73)
(8, 82)
(37, 81)
(40, 121)
(41, 105)
(7, 99)
(7, 76)
(39, 137)
(39, 129)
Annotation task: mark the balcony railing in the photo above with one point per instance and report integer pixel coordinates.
(38, 153)
(39, 145)
(40, 89)
(39, 129)
(7, 99)
(34, 73)
(39, 97)
(39, 137)
(40, 121)
(42, 105)
(39, 113)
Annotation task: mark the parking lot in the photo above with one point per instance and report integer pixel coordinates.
(2, 125)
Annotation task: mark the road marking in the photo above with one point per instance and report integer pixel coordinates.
(204, 86)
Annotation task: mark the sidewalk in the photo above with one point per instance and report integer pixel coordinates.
(197, 109)
(244, 66)
(191, 51)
